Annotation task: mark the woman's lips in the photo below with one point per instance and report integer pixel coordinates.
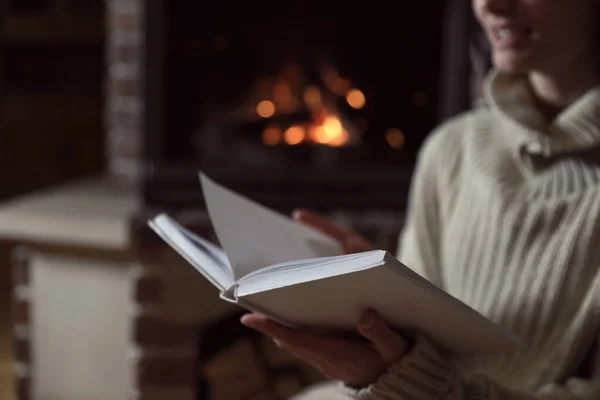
(510, 36)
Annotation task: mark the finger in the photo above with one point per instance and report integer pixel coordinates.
(358, 244)
(390, 345)
(301, 340)
(264, 325)
(322, 224)
(316, 359)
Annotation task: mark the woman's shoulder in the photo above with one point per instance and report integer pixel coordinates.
(453, 137)
(451, 146)
(463, 127)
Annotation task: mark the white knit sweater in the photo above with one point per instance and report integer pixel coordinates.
(505, 215)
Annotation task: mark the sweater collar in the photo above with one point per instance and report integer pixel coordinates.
(576, 128)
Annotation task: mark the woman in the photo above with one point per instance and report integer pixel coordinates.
(505, 215)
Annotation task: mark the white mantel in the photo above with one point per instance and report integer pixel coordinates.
(90, 213)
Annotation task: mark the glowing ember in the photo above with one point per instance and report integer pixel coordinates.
(265, 108)
(318, 135)
(331, 132)
(356, 99)
(294, 135)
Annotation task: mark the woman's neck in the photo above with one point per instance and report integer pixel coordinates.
(556, 91)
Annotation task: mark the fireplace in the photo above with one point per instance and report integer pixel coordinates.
(299, 103)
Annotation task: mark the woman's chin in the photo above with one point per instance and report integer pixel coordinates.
(511, 64)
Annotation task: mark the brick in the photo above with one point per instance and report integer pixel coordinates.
(126, 53)
(123, 172)
(126, 87)
(148, 289)
(23, 388)
(165, 371)
(21, 312)
(128, 21)
(125, 147)
(126, 6)
(22, 350)
(154, 332)
(128, 122)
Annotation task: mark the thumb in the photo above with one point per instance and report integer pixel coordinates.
(390, 345)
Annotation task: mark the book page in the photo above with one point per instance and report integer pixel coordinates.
(254, 236)
(207, 258)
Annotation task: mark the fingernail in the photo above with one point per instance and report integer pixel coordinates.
(277, 342)
(296, 213)
(367, 321)
(244, 318)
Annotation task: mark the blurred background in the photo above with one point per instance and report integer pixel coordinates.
(108, 110)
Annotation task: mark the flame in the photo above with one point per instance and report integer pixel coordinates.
(318, 135)
(356, 99)
(340, 140)
(332, 127)
(330, 132)
(294, 135)
(265, 108)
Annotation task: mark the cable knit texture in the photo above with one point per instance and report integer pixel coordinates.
(505, 215)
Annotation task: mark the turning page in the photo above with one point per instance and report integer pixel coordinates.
(255, 237)
(207, 258)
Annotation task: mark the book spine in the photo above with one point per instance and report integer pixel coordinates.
(230, 294)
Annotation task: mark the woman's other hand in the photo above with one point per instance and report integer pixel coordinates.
(353, 362)
(350, 241)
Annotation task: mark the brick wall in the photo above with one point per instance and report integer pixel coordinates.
(21, 324)
(124, 88)
(164, 354)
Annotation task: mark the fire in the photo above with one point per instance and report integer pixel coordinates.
(265, 108)
(356, 99)
(294, 135)
(291, 97)
(330, 132)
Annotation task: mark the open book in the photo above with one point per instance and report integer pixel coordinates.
(301, 278)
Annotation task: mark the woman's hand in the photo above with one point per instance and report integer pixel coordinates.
(350, 241)
(355, 363)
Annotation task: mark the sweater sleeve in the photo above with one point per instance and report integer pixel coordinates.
(425, 374)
